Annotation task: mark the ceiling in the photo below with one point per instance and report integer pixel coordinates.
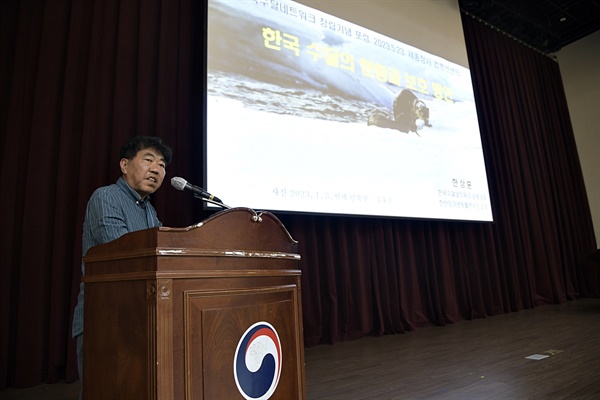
(546, 25)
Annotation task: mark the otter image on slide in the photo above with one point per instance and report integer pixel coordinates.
(407, 109)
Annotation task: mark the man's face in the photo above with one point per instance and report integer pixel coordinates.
(145, 172)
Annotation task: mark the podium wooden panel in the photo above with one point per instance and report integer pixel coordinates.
(166, 308)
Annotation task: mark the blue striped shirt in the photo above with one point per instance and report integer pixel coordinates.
(111, 212)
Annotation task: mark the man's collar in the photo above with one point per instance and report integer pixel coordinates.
(122, 183)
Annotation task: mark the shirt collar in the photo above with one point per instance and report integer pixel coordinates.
(135, 196)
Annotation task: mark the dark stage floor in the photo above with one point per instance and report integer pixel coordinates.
(480, 359)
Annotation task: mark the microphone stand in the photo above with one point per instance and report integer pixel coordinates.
(225, 206)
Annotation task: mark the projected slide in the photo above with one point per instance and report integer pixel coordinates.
(310, 113)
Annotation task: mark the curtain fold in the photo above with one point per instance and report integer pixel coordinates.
(79, 78)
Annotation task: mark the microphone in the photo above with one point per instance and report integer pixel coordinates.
(181, 184)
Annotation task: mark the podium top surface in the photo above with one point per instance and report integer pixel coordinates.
(236, 232)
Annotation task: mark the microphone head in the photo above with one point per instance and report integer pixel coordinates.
(178, 183)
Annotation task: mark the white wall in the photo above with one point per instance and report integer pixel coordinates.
(580, 70)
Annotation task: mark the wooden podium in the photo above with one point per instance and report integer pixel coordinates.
(212, 311)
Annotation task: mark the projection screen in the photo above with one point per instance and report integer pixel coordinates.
(307, 112)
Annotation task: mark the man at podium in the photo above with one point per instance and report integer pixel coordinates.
(122, 207)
